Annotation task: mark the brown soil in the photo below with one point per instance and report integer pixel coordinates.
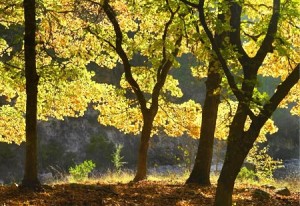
(143, 193)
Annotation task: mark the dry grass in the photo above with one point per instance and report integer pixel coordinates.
(125, 177)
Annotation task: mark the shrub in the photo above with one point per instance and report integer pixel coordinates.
(246, 174)
(117, 158)
(80, 172)
(265, 164)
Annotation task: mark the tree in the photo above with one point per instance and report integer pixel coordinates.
(162, 71)
(30, 179)
(241, 139)
(64, 85)
(159, 42)
(201, 170)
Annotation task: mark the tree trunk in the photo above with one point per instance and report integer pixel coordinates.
(201, 170)
(30, 179)
(238, 145)
(141, 173)
(234, 159)
(240, 142)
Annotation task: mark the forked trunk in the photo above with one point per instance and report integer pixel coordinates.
(201, 170)
(141, 173)
(240, 142)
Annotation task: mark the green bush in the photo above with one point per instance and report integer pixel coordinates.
(265, 164)
(80, 172)
(246, 174)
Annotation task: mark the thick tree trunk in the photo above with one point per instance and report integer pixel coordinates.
(141, 173)
(234, 159)
(201, 170)
(238, 145)
(30, 179)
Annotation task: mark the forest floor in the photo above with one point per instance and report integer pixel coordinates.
(142, 193)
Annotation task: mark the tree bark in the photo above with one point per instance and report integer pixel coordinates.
(30, 179)
(141, 173)
(236, 152)
(234, 159)
(201, 170)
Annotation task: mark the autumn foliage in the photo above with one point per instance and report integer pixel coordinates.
(248, 40)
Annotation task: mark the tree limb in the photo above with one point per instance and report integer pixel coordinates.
(230, 78)
(235, 35)
(282, 90)
(164, 37)
(120, 51)
(166, 63)
(190, 3)
(266, 45)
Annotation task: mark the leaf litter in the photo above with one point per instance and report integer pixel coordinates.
(146, 193)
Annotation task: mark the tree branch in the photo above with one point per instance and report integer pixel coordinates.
(266, 45)
(166, 63)
(190, 3)
(282, 90)
(120, 51)
(253, 37)
(235, 35)
(164, 37)
(230, 78)
(268, 109)
(100, 38)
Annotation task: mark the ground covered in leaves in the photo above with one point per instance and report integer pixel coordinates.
(143, 193)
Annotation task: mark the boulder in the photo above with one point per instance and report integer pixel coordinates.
(283, 191)
(260, 194)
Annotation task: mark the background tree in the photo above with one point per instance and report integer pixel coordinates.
(200, 173)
